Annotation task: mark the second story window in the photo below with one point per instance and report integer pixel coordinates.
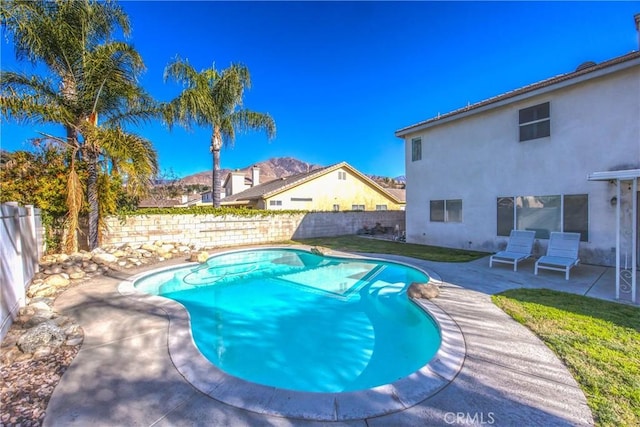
(535, 122)
(342, 175)
(416, 149)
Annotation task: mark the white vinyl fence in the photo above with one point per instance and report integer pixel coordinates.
(21, 246)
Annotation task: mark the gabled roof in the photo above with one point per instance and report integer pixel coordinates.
(153, 203)
(277, 186)
(585, 72)
(399, 193)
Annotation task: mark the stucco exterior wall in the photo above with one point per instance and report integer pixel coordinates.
(595, 126)
(215, 231)
(327, 190)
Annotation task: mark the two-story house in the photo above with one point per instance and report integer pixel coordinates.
(562, 154)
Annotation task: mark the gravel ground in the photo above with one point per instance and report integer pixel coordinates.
(26, 386)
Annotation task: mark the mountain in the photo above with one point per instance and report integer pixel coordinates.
(279, 167)
(271, 169)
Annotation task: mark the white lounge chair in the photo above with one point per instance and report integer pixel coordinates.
(562, 253)
(519, 248)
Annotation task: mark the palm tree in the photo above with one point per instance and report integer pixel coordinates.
(89, 76)
(214, 99)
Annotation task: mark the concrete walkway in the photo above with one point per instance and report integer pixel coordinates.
(124, 374)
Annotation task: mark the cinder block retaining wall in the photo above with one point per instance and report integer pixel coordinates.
(206, 231)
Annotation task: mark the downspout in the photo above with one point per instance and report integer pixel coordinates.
(618, 213)
(634, 231)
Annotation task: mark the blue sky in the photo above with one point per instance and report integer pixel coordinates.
(340, 78)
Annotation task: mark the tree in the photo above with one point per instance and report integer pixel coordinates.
(38, 178)
(89, 76)
(214, 99)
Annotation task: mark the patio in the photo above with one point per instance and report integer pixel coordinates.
(124, 374)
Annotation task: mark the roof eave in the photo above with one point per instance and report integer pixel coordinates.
(433, 122)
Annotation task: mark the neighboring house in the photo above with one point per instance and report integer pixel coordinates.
(185, 200)
(235, 182)
(334, 188)
(157, 203)
(562, 154)
(188, 200)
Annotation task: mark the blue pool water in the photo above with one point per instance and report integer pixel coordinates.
(299, 321)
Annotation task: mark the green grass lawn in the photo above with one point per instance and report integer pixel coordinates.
(598, 341)
(368, 245)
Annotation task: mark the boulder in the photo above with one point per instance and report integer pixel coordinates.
(199, 256)
(149, 247)
(105, 258)
(36, 313)
(54, 269)
(56, 281)
(90, 267)
(423, 290)
(46, 334)
(77, 275)
(167, 247)
(319, 250)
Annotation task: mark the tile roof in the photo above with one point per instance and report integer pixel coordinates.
(398, 193)
(580, 71)
(162, 203)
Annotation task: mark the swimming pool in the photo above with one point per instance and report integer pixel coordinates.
(298, 321)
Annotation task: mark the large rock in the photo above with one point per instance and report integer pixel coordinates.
(200, 256)
(77, 275)
(423, 290)
(46, 334)
(149, 247)
(105, 258)
(36, 313)
(319, 250)
(56, 281)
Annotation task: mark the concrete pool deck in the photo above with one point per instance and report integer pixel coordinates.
(124, 374)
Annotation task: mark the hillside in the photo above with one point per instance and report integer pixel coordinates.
(277, 167)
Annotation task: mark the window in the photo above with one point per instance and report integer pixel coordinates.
(336, 208)
(445, 210)
(453, 210)
(575, 216)
(301, 199)
(416, 149)
(506, 216)
(357, 207)
(544, 214)
(538, 213)
(275, 202)
(381, 207)
(436, 210)
(535, 122)
(342, 175)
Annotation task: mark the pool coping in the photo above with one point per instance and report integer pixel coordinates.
(389, 398)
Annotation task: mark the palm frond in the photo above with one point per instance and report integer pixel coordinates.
(246, 120)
